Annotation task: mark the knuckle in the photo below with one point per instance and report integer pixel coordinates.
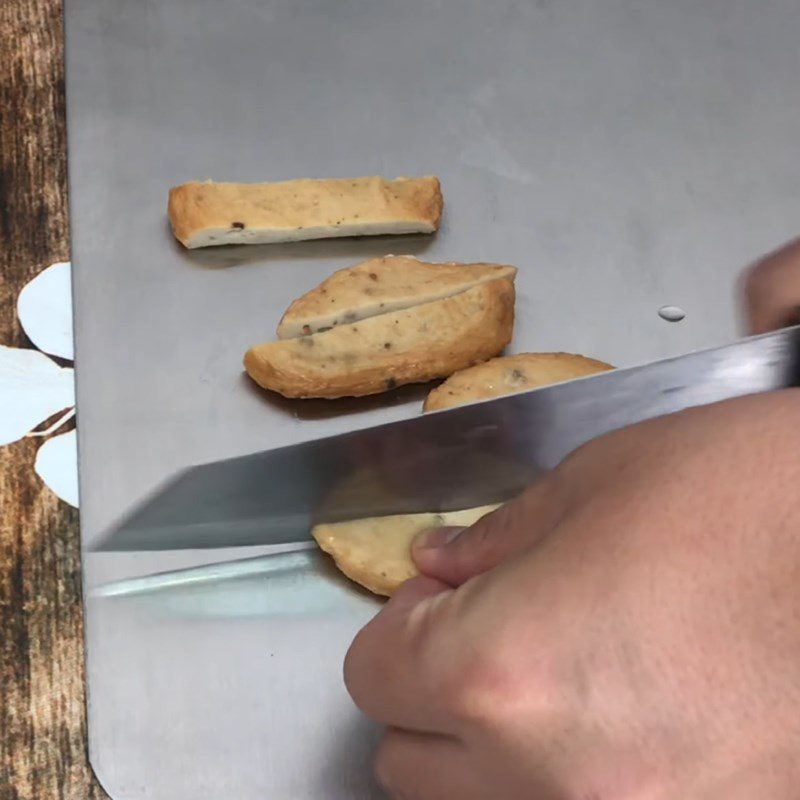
(497, 682)
(388, 770)
(382, 766)
(483, 691)
(359, 667)
(472, 695)
(351, 668)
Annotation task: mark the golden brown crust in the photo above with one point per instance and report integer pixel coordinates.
(509, 375)
(182, 212)
(380, 286)
(206, 214)
(375, 355)
(376, 552)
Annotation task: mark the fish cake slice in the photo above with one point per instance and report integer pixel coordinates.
(376, 552)
(208, 214)
(509, 375)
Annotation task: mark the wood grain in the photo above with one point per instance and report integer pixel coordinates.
(42, 715)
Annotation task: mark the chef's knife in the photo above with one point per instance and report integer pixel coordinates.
(474, 455)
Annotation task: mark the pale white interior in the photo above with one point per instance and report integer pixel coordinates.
(292, 328)
(213, 237)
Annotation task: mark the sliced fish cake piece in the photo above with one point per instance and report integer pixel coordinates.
(382, 286)
(376, 552)
(378, 354)
(509, 375)
(207, 214)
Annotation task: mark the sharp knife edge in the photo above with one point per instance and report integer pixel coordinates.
(469, 456)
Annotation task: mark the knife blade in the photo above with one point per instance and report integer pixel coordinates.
(463, 457)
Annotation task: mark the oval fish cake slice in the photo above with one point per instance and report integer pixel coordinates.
(510, 374)
(376, 552)
(207, 213)
(382, 286)
(380, 353)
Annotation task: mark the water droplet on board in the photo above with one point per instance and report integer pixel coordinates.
(671, 313)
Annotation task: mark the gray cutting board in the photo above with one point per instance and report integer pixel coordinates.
(624, 154)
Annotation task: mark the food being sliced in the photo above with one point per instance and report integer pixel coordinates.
(415, 345)
(510, 374)
(380, 286)
(376, 552)
(206, 214)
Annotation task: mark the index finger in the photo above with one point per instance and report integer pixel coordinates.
(392, 671)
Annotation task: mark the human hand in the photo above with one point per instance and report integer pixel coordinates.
(772, 290)
(628, 628)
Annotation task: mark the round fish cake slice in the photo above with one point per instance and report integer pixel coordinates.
(376, 552)
(508, 375)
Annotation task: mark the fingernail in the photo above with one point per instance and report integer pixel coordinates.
(437, 537)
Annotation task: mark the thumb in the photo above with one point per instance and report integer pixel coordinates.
(454, 555)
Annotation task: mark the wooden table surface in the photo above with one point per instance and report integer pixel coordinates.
(42, 713)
